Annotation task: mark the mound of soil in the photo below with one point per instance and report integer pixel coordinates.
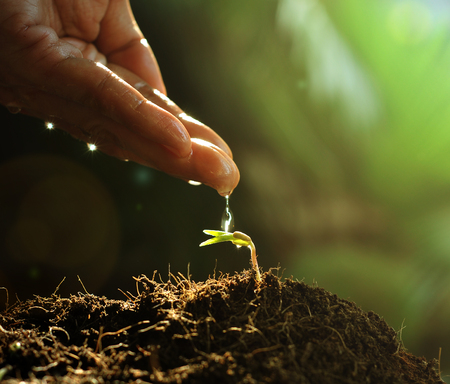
(226, 330)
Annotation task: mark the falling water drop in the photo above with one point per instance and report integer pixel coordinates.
(227, 223)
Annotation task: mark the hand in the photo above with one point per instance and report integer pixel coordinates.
(54, 59)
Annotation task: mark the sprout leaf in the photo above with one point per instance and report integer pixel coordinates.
(237, 238)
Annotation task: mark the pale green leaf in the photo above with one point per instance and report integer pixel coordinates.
(221, 236)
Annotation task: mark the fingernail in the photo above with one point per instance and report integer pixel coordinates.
(180, 154)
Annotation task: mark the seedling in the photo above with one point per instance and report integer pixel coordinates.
(237, 238)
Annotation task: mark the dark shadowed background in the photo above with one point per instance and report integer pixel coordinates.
(338, 114)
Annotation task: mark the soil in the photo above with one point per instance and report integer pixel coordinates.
(225, 330)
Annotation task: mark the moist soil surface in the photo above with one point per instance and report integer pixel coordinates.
(226, 330)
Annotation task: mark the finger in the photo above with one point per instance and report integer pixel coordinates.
(194, 127)
(206, 163)
(123, 43)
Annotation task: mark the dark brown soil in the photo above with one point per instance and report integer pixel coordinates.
(225, 330)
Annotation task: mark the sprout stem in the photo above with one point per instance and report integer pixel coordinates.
(237, 238)
(255, 261)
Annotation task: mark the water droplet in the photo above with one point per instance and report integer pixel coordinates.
(193, 182)
(227, 222)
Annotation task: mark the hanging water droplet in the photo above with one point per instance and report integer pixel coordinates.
(227, 222)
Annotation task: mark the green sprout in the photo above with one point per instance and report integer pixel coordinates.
(237, 238)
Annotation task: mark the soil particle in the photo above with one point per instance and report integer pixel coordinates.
(226, 330)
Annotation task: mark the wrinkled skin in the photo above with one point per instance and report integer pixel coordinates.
(84, 65)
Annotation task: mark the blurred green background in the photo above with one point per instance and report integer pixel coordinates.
(338, 114)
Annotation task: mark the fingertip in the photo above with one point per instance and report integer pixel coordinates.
(227, 188)
(214, 167)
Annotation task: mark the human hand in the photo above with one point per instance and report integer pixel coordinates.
(53, 59)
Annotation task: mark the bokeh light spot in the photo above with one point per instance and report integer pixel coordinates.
(143, 175)
(410, 22)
